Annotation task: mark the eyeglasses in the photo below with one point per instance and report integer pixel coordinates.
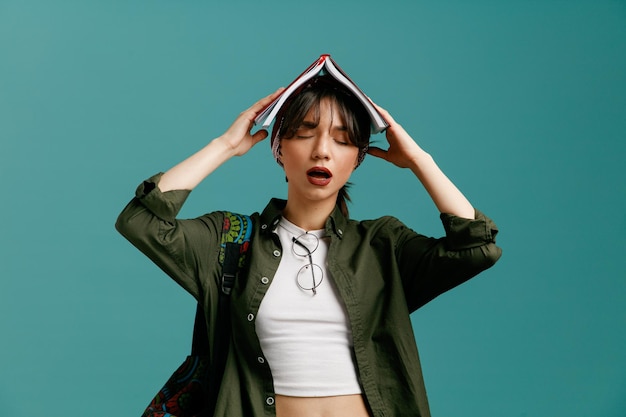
(304, 246)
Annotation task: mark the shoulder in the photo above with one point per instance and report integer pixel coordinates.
(385, 227)
(384, 223)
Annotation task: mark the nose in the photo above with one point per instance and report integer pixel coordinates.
(321, 147)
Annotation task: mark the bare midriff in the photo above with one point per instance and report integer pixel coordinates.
(338, 406)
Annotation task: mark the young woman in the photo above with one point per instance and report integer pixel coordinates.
(320, 320)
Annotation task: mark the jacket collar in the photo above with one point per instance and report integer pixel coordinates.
(335, 224)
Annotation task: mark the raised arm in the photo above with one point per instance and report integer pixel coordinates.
(405, 153)
(236, 141)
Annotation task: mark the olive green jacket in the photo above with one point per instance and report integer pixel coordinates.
(382, 269)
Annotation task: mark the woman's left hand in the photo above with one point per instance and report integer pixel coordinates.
(402, 151)
(405, 153)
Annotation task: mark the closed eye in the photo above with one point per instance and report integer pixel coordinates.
(341, 135)
(305, 131)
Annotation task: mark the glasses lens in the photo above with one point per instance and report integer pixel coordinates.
(310, 277)
(305, 244)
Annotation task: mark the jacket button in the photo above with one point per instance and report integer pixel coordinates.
(263, 226)
(269, 401)
(340, 232)
(261, 359)
(277, 253)
(250, 317)
(265, 280)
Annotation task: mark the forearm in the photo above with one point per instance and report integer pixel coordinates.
(446, 196)
(236, 141)
(189, 173)
(405, 153)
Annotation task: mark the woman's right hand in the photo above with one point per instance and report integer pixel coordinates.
(238, 137)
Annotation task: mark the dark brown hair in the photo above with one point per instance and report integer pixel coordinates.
(349, 108)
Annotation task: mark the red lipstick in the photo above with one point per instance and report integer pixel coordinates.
(319, 176)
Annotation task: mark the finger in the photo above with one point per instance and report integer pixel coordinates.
(259, 136)
(377, 152)
(251, 112)
(266, 100)
(276, 93)
(386, 115)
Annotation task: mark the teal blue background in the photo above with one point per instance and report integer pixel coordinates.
(522, 103)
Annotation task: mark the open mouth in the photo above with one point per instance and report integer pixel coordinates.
(319, 175)
(319, 172)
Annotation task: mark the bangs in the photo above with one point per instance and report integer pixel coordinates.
(347, 107)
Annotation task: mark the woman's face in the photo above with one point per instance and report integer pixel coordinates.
(319, 158)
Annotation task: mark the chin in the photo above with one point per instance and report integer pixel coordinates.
(319, 195)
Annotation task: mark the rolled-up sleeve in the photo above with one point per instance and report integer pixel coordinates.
(464, 233)
(430, 267)
(163, 205)
(183, 249)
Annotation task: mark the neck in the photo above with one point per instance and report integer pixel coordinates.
(308, 215)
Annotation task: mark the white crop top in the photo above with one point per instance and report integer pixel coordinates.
(306, 337)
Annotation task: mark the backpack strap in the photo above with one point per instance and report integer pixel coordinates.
(236, 233)
(235, 242)
(234, 247)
